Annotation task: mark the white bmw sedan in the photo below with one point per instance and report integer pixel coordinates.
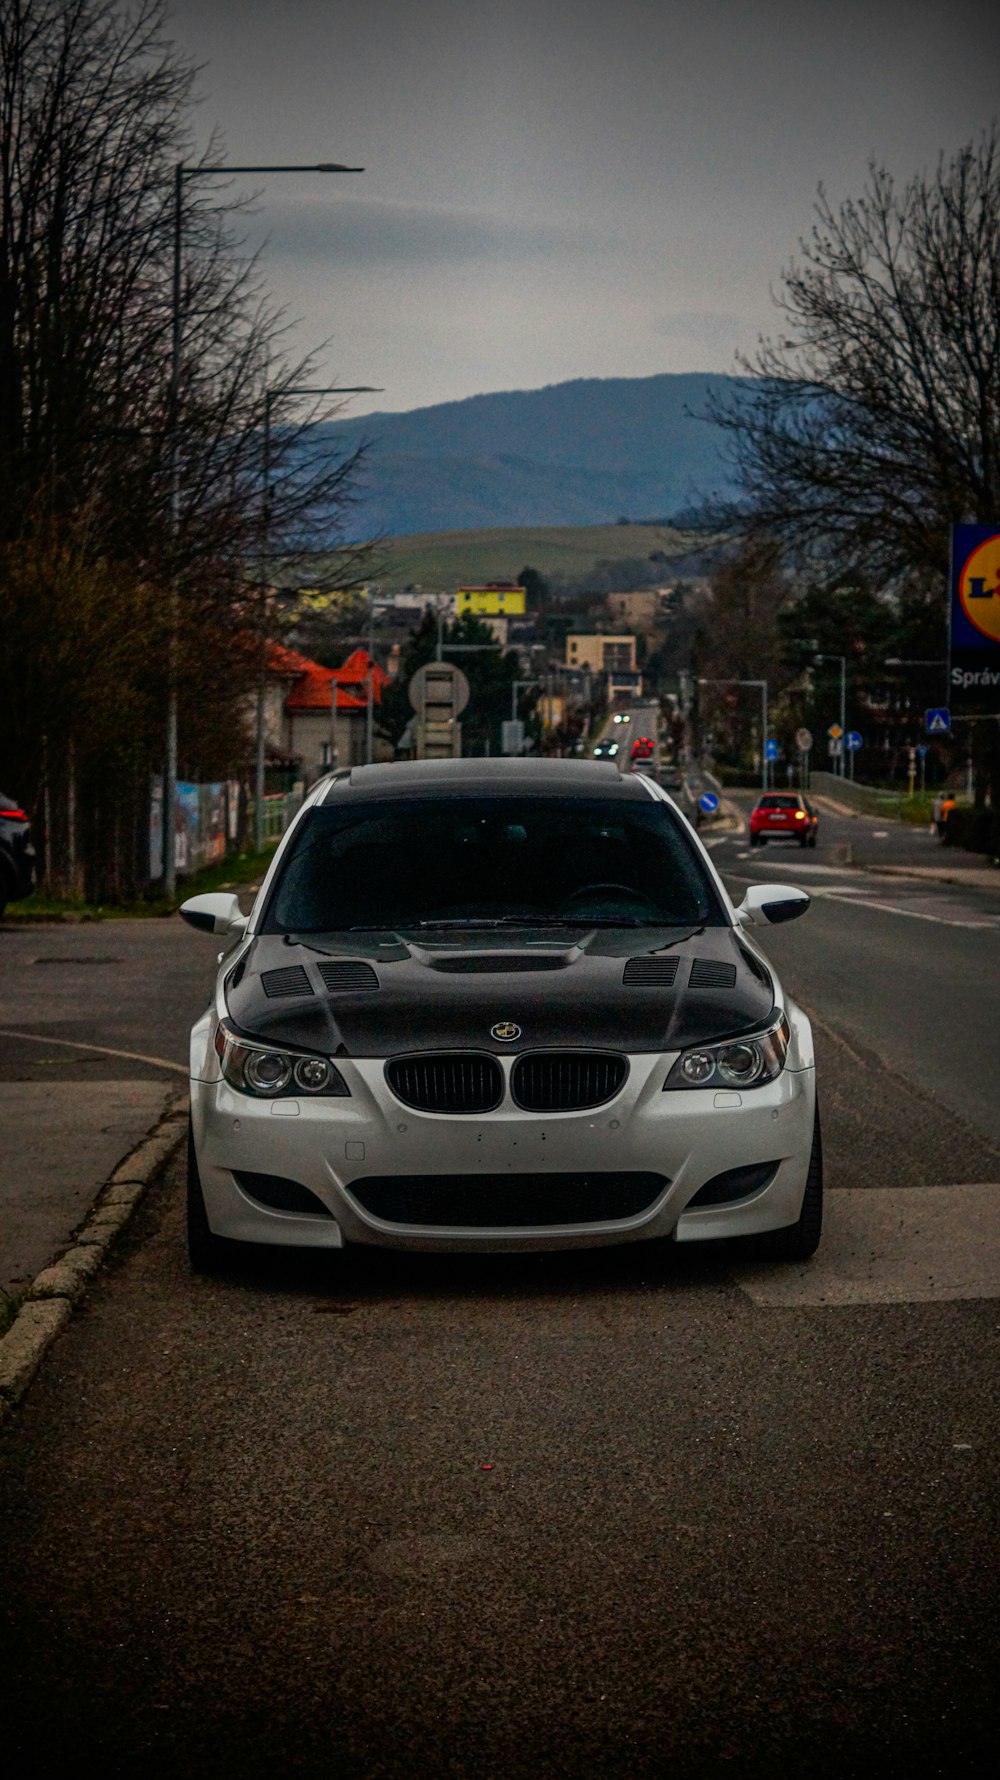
(498, 1004)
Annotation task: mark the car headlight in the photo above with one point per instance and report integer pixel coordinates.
(266, 1071)
(739, 1063)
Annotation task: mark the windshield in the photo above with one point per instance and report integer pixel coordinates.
(410, 862)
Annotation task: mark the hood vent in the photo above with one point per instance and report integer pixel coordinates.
(499, 963)
(650, 973)
(347, 976)
(712, 973)
(291, 980)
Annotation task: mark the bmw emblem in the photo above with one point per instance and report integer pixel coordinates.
(506, 1031)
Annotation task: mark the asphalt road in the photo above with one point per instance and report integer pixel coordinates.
(628, 1513)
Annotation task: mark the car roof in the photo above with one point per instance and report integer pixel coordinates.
(485, 777)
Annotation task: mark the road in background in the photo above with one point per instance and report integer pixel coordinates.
(902, 967)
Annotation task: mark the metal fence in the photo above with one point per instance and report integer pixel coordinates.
(279, 808)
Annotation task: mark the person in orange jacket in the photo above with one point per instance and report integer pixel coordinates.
(946, 807)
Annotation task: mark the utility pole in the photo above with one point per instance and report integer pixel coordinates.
(181, 173)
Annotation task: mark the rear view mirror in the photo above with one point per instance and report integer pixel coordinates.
(772, 903)
(218, 912)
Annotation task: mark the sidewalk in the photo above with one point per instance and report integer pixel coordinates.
(973, 870)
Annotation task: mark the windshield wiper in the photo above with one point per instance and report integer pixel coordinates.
(495, 921)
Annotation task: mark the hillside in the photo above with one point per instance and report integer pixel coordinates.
(595, 557)
(573, 454)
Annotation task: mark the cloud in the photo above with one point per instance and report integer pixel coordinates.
(707, 327)
(381, 233)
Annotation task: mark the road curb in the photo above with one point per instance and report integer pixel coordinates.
(48, 1303)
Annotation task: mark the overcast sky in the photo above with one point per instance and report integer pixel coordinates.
(566, 188)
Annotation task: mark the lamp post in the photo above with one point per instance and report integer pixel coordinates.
(182, 173)
(763, 737)
(270, 397)
(843, 704)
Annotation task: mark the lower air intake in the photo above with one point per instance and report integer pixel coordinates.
(506, 1201)
(447, 1082)
(279, 1194)
(566, 1081)
(735, 1183)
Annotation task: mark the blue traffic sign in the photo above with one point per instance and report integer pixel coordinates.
(938, 721)
(921, 749)
(770, 749)
(852, 741)
(709, 802)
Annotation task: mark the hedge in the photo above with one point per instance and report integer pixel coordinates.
(978, 831)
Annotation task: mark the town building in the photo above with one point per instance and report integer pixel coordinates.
(497, 599)
(316, 717)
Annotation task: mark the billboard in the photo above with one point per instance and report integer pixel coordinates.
(974, 624)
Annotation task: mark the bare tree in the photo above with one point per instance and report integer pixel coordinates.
(106, 464)
(873, 422)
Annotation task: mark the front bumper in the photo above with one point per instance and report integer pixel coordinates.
(330, 1146)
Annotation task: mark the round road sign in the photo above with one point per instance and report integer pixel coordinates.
(804, 739)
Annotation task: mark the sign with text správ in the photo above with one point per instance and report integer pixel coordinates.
(974, 627)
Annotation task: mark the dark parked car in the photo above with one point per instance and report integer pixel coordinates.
(17, 855)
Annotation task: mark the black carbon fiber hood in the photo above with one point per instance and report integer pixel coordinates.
(364, 996)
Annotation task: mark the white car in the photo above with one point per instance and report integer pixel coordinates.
(497, 1005)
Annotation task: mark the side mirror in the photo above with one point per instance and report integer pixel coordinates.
(765, 903)
(218, 912)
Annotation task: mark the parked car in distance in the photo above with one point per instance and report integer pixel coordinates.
(783, 815)
(17, 855)
(498, 1005)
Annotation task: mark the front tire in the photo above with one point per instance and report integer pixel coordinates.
(796, 1242)
(207, 1252)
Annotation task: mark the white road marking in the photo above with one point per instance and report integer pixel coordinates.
(895, 1245)
(890, 908)
(77, 1044)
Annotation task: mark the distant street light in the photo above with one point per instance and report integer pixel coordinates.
(843, 705)
(182, 173)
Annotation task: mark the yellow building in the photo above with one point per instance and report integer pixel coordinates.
(498, 599)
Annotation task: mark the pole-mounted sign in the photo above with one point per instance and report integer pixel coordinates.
(439, 692)
(974, 629)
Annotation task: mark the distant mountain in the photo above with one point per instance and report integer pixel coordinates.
(582, 453)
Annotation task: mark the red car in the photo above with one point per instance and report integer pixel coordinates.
(643, 748)
(783, 814)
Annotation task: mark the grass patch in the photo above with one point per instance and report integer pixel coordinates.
(238, 871)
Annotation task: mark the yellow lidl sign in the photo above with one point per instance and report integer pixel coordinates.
(974, 631)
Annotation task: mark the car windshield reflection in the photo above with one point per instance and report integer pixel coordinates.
(409, 863)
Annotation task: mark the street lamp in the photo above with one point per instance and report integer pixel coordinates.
(270, 397)
(843, 704)
(181, 173)
(763, 736)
